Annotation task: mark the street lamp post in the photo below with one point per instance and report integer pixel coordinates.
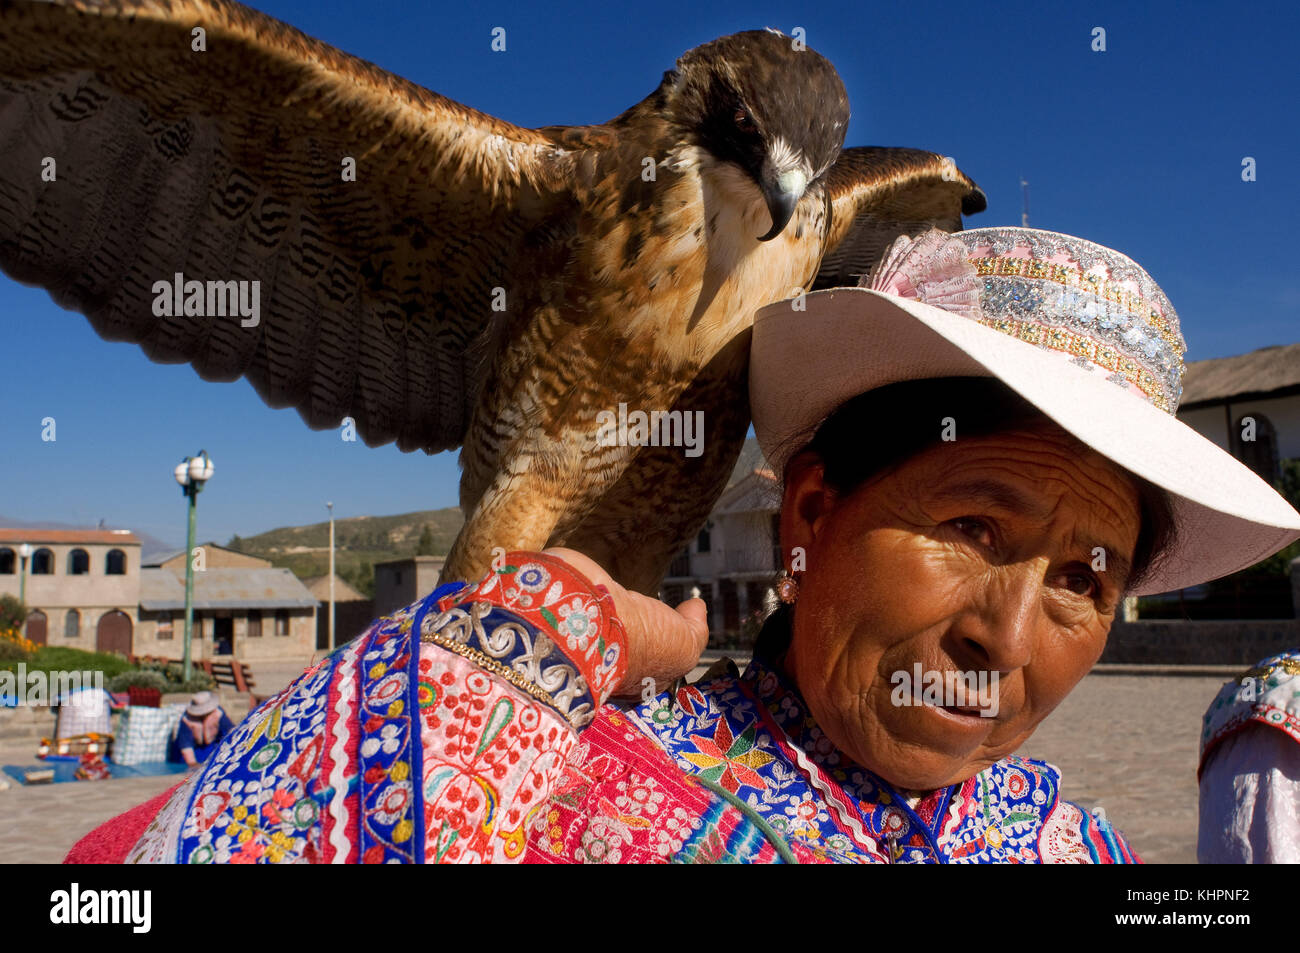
(23, 552)
(191, 473)
(330, 507)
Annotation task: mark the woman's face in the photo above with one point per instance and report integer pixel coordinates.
(983, 555)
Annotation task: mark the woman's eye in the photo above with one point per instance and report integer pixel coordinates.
(976, 529)
(1080, 583)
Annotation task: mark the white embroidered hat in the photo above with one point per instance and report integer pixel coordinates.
(1078, 330)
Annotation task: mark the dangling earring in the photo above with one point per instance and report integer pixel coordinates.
(787, 589)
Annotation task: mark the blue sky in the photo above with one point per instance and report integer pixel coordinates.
(1138, 148)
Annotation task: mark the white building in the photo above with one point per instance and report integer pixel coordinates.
(81, 586)
(734, 562)
(400, 582)
(90, 589)
(735, 559)
(1220, 395)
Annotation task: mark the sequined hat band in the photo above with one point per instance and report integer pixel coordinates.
(1091, 304)
(1059, 321)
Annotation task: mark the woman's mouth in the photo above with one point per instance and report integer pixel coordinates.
(968, 716)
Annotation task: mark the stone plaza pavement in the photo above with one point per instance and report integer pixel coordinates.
(1126, 743)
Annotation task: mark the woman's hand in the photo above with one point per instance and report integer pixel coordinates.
(662, 643)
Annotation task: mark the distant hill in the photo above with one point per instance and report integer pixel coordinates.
(359, 543)
(362, 541)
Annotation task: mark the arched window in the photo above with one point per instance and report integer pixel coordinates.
(72, 624)
(1254, 443)
(42, 562)
(78, 562)
(8, 561)
(703, 541)
(115, 563)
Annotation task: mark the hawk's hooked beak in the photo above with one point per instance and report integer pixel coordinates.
(782, 195)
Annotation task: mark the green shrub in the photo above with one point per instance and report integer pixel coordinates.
(12, 613)
(13, 652)
(137, 679)
(201, 682)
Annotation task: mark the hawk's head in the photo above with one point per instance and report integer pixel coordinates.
(778, 112)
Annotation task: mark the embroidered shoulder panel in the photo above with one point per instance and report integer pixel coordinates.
(433, 736)
(621, 800)
(1267, 693)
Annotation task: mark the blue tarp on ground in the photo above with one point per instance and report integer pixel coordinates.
(64, 769)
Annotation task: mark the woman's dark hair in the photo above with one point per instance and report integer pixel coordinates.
(873, 433)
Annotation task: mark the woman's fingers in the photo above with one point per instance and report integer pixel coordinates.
(667, 642)
(662, 643)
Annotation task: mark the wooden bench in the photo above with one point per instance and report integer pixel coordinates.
(234, 674)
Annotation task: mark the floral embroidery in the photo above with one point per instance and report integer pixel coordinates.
(731, 761)
(532, 578)
(752, 735)
(256, 798)
(576, 624)
(454, 731)
(1267, 693)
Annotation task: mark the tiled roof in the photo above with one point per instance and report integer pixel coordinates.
(1257, 373)
(319, 586)
(37, 536)
(157, 559)
(162, 589)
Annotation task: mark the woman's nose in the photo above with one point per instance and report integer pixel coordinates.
(1000, 625)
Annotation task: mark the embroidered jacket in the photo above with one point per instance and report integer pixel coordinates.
(1249, 782)
(473, 727)
(1267, 694)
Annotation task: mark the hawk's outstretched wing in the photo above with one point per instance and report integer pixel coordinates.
(376, 295)
(877, 194)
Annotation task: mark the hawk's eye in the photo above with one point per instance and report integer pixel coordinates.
(744, 121)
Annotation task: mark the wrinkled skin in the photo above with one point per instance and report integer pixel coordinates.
(911, 567)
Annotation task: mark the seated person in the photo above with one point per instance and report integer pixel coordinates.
(200, 730)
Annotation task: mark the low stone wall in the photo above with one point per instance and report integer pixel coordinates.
(1220, 642)
(26, 723)
(34, 722)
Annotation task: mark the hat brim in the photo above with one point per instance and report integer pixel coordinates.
(852, 340)
(206, 708)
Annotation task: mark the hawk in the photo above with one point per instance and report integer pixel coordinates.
(441, 277)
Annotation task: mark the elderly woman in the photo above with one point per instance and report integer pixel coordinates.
(980, 460)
